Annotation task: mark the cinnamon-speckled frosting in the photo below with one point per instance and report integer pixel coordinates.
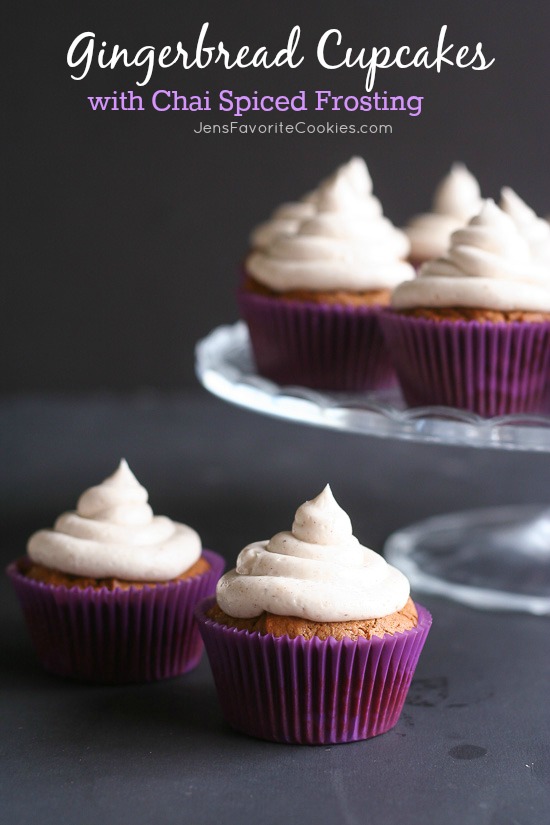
(346, 243)
(284, 221)
(535, 230)
(113, 533)
(319, 571)
(456, 200)
(488, 266)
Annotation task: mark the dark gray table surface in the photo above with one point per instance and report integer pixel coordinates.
(472, 744)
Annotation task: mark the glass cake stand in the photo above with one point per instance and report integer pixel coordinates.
(496, 559)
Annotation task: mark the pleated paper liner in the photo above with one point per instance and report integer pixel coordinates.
(323, 346)
(118, 636)
(489, 368)
(309, 691)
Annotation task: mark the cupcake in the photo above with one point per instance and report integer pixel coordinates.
(535, 230)
(311, 298)
(108, 595)
(313, 638)
(473, 329)
(456, 200)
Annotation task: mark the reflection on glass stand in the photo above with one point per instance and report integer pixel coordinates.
(497, 558)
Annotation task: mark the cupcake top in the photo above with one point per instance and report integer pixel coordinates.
(113, 533)
(488, 266)
(346, 244)
(535, 230)
(456, 200)
(318, 571)
(286, 219)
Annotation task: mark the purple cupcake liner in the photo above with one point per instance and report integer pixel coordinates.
(118, 636)
(488, 368)
(323, 346)
(309, 691)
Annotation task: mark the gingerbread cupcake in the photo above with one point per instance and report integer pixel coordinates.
(473, 329)
(313, 638)
(456, 200)
(311, 298)
(108, 594)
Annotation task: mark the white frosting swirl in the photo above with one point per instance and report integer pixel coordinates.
(319, 571)
(456, 200)
(284, 221)
(535, 230)
(346, 244)
(113, 533)
(488, 266)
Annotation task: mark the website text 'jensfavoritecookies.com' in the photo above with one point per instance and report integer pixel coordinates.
(300, 128)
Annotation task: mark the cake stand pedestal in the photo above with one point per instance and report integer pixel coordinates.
(495, 559)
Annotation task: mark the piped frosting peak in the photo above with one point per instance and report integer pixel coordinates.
(318, 571)
(113, 533)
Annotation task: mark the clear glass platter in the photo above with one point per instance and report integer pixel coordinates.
(225, 367)
(495, 559)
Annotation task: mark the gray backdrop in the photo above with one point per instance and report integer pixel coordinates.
(125, 230)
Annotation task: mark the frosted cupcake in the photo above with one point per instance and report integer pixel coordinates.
(473, 329)
(456, 200)
(108, 594)
(311, 298)
(313, 638)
